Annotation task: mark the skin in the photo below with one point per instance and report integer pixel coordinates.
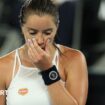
(38, 51)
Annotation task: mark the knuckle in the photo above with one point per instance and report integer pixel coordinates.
(42, 55)
(36, 61)
(39, 58)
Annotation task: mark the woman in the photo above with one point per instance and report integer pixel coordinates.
(42, 72)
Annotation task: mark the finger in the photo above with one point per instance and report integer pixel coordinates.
(30, 44)
(32, 56)
(37, 47)
(33, 48)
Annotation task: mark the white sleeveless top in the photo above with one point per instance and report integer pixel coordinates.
(27, 87)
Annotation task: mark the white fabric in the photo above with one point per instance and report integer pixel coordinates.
(30, 80)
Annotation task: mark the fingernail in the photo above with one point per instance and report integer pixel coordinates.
(29, 41)
(26, 41)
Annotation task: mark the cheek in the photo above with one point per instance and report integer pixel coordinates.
(50, 38)
(27, 36)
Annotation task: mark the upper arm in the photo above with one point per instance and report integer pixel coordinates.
(77, 78)
(2, 86)
(2, 99)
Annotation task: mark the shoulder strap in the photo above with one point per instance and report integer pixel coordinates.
(17, 54)
(15, 59)
(14, 67)
(55, 59)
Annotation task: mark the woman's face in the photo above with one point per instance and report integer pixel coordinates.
(42, 28)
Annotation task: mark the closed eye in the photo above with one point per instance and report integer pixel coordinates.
(32, 32)
(48, 32)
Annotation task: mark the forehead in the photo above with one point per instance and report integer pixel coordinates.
(40, 22)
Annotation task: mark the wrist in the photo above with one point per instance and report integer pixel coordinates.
(50, 75)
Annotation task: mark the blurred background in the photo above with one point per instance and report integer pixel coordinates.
(82, 26)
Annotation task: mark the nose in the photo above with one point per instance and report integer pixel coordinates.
(39, 38)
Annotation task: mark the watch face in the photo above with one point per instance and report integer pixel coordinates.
(53, 75)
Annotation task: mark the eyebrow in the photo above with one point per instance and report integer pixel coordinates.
(49, 29)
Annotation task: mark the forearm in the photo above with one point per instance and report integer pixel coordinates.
(59, 95)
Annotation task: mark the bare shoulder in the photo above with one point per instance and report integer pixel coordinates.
(73, 58)
(71, 53)
(6, 59)
(6, 64)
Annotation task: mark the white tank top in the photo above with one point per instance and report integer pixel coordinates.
(27, 86)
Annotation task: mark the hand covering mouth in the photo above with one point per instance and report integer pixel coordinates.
(42, 47)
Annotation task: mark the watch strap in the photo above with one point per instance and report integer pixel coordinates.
(50, 76)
